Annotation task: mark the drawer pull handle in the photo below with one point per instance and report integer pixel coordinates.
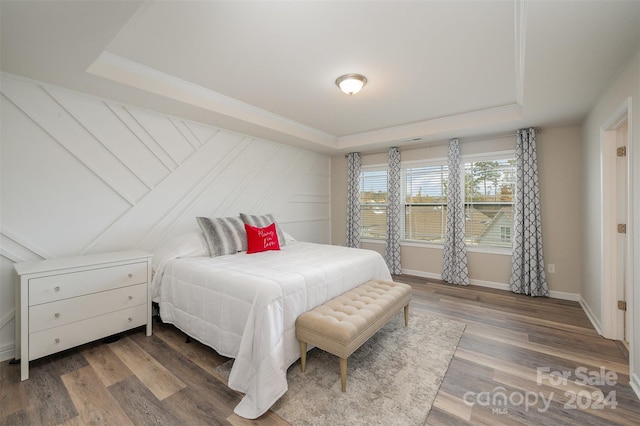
(57, 341)
(56, 289)
(130, 297)
(57, 315)
(130, 275)
(130, 319)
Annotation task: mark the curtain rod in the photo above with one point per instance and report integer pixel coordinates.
(471, 139)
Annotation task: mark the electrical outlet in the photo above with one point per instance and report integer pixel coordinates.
(551, 268)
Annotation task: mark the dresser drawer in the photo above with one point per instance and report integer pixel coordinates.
(54, 314)
(72, 284)
(57, 339)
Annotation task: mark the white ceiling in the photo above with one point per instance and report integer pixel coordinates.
(435, 69)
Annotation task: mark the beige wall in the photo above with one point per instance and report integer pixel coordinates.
(625, 85)
(560, 159)
(560, 174)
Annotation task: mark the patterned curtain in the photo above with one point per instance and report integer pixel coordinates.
(353, 200)
(392, 249)
(454, 268)
(527, 271)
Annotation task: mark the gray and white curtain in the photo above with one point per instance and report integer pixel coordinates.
(454, 268)
(392, 249)
(353, 200)
(527, 270)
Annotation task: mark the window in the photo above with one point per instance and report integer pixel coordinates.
(373, 203)
(489, 185)
(489, 188)
(426, 203)
(505, 233)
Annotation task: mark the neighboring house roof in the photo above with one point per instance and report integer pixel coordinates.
(427, 222)
(504, 216)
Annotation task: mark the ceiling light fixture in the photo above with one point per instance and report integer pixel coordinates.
(351, 83)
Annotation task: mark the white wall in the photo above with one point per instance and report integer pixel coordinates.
(627, 84)
(81, 174)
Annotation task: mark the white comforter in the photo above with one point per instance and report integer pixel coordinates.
(245, 306)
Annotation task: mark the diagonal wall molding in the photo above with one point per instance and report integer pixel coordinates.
(17, 249)
(6, 318)
(82, 174)
(60, 140)
(136, 128)
(86, 126)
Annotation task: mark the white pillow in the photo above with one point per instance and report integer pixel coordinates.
(192, 244)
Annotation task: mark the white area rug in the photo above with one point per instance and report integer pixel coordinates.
(392, 379)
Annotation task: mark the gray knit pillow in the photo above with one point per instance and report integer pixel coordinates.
(262, 222)
(224, 235)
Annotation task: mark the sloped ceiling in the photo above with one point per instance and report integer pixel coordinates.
(435, 69)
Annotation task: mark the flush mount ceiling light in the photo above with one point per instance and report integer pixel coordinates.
(351, 83)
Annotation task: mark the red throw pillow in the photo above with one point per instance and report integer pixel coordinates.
(261, 239)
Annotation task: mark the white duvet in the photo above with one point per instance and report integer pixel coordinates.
(245, 306)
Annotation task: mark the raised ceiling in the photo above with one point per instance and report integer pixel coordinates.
(435, 69)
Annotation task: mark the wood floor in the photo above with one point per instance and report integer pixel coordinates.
(510, 347)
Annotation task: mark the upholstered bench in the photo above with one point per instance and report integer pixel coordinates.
(343, 324)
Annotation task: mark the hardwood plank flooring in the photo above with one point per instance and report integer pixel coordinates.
(106, 364)
(163, 380)
(95, 404)
(154, 375)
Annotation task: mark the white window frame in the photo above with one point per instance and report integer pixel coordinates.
(486, 156)
(440, 161)
(374, 168)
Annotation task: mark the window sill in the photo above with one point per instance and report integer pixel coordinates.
(372, 241)
(490, 250)
(470, 249)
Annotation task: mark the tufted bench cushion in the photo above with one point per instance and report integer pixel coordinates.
(344, 323)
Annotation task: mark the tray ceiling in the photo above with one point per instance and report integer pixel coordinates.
(435, 69)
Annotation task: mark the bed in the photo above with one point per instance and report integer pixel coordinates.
(245, 305)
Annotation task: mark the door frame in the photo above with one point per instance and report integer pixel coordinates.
(612, 326)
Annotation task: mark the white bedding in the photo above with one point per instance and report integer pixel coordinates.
(245, 306)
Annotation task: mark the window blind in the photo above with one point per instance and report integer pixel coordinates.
(373, 204)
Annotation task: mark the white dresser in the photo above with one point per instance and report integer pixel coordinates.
(66, 302)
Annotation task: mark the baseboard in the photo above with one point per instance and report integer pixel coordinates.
(492, 284)
(587, 310)
(421, 274)
(574, 297)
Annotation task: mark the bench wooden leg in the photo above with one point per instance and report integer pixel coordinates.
(406, 315)
(343, 374)
(303, 355)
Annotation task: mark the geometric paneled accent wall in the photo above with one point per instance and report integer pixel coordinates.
(81, 174)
